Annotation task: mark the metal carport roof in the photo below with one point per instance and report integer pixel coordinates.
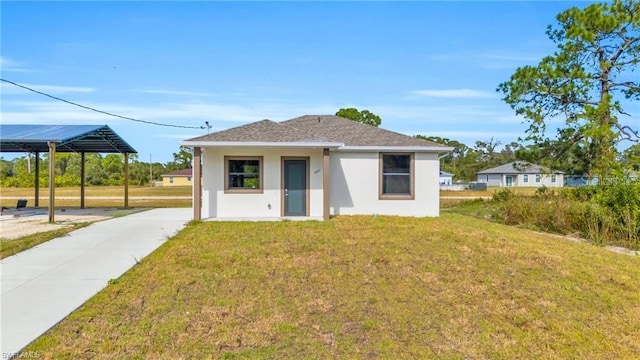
(68, 138)
(64, 138)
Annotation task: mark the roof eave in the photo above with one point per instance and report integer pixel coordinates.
(262, 144)
(412, 148)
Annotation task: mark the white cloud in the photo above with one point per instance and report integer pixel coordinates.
(454, 93)
(177, 92)
(492, 59)
(187, 114)
(506, 59)
(50, 89)
(8, 65)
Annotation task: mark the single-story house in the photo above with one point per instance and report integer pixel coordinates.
(445, 178)
(521, 174)
(311, 167)
(178, 178)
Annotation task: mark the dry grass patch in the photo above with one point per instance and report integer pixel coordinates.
(362, 287)
(109, 203)
(102, 191)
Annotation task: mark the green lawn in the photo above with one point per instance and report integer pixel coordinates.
(453, 287)
(102, 191)
(152, 196)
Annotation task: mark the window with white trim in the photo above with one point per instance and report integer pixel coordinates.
(553, 178)
(397, 176)
(537, 178)
(525, 178)
(243, 174)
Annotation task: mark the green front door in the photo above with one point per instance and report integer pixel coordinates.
(509, 180)
(295, 188)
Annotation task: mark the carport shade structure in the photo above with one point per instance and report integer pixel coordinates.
(64, 138)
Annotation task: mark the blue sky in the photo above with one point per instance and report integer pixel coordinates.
(427, 68)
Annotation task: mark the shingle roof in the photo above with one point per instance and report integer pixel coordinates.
(183, 172)
(316, 128)
(68, 138)
(260, 131)
(518, 167)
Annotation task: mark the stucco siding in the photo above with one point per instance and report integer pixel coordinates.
(177, 181)
(218, 204)
(354, 179)
(490, 179)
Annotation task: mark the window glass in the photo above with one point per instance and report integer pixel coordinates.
(525, 178)
(244, 174)
(553, 178)
(396, 174)
(537, 178)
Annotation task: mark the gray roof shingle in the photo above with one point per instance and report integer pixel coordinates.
(260, 131)
(316, 128)
(518, 167)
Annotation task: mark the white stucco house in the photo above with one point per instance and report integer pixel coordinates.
(521, 174)
(312, 167)
(446, 178)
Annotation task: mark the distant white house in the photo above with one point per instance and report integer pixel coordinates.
(445, 178)
(521, 174)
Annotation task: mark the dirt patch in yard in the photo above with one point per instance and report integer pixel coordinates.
(16, 223)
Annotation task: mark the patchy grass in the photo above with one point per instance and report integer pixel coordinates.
(152, 196)
(454, 287)
(101, 191)
(14, 246)
(110, 203)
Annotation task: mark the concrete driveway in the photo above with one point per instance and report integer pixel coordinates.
(44, 284)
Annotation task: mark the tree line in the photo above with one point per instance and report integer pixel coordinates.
(100, 170)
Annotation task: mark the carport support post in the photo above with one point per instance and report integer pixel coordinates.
(37, 181)
(52, 182)
(126, 180)
(82, 180)
(325, 184)
(197, 184)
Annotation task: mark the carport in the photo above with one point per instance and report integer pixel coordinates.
(81, 139)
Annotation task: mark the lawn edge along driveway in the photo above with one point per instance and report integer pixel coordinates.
(44, 284)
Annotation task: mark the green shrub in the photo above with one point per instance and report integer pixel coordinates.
(605, 214)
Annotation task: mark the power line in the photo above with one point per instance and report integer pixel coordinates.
(100, 111)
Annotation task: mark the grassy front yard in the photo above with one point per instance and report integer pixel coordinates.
(147, 196)
(362, 287)
(102, 191)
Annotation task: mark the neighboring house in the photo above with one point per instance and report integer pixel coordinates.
(445, 178)
(521, 174)
(313, 166)
(178, 178)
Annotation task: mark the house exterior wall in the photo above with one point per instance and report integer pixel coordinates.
(518, 180)
(218, 204)
(490, 179)
(444, 180)
(354, 182)
(177, 181)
